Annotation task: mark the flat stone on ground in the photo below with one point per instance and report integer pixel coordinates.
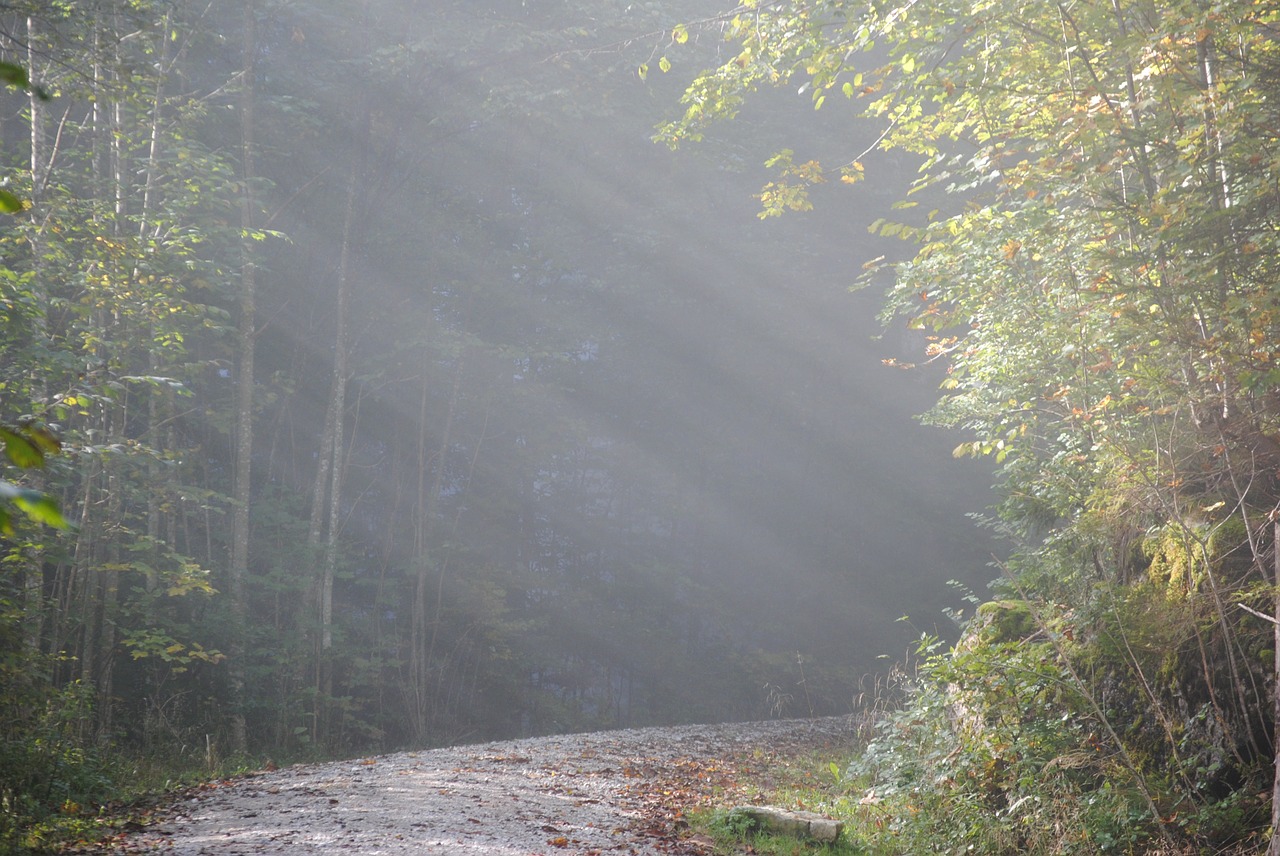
(802, 824)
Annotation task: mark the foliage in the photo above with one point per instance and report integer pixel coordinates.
(1095, 271)
(26, 446)
(956, 766)
(959, 766)
(49, 772)
(1109, 162)
(1051, 746)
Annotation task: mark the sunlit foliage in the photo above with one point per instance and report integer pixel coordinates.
(1093, 235)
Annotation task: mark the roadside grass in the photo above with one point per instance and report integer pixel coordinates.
(124, 793)
(811, 782)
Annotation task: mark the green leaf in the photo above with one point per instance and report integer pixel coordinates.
(680, 34)
(664, 64)
(43, 509)
(27, 446)
(20, 449)
(10, 203)
(643, 71)
(14, 75)
(36, 505)
(44, 439)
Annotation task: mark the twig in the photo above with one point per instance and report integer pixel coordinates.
(1262, 615)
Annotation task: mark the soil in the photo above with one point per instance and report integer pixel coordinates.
(601, 793)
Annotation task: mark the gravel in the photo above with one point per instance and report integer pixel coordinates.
(605, 792)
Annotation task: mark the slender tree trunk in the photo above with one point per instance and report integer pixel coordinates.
(326, 517)
(157, 405)
(238, 568)
(315, 533)
(33, 572)
(437, 488)
(336, 469)
(36, 106)
(418, 620)
(1273, 849)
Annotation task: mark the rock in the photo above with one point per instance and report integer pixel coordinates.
(801, 824)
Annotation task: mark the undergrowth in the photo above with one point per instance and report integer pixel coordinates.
(1047, 730)
(60, 796)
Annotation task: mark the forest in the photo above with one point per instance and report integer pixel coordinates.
(381, 374)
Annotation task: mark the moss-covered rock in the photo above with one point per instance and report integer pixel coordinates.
(1000, 621)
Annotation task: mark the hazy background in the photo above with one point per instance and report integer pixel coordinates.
(613, 450)
(678, 400)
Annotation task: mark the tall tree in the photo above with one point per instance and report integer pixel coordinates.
(246, 341)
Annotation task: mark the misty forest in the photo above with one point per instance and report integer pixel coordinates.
(400, 373)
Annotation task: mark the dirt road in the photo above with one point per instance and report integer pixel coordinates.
(606, 792)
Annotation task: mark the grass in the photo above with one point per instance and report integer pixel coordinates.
(731, 835)
(811, 782)
(126, 797)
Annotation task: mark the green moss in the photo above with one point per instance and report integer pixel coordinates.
(1178, 554)
(1005, 621)
(1173, 553)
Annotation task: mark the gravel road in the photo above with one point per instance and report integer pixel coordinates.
(606, 792)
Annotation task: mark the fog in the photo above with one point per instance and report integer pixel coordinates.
(613, 449)
(678, 400)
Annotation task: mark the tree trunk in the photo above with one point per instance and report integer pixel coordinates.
(33, 571)
(437, 489)
(1273, 849)
(418, 621)
(326, 517)
(238, 568)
